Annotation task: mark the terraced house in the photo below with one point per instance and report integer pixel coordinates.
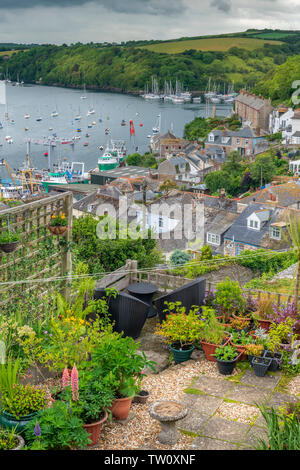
(245, 141)
(254, 110)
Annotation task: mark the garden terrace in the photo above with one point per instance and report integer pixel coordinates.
(39, 255)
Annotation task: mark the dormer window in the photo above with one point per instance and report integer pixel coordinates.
(253, 223)
(275, 233)
(211, 138)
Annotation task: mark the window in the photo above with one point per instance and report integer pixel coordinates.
(246, 141)
(275, 233)
(211, 138)
(253, 224)
(213, 238)
(160, 222)
(237, 140)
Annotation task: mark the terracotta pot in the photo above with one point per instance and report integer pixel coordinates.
(59, 230)
(120, 407)
(265, 324)
(94, 429)
(209, 349)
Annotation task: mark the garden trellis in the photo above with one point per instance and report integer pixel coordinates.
(39, 254)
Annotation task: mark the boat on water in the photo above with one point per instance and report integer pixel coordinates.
(156, 128)
(113, 156)
(38, 119)
(54, 114)
(27, 116)
(197, 99)
(90, 111)
(83, 97)
(65, 173)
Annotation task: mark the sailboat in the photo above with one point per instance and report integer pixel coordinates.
(156, 129)
(78, 117)
(90, 111)
(54, 113)
(83, 97)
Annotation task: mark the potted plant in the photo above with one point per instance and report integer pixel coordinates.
(58, 224)
(20, 405)
(240, 339)
(9, 440)
(240, 324)
(89, 400)
(226, 357)
(116, 361)
(9, 241)
(280, 336)
(141, 396)
(56, 428)
(264, 312)
(253, 350)
(213, 333)
(229, 299)
(180, 330)
(260, 365)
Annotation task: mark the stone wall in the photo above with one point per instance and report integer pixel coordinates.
(235, 272)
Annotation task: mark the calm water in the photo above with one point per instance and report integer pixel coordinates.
(39, 101)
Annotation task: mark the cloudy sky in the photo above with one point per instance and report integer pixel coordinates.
(69, 21)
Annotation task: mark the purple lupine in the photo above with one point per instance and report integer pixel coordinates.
(37, 430)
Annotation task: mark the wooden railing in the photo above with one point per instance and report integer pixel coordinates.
(129, 273)
(39, 254)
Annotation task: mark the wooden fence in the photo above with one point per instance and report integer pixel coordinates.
(39, 254)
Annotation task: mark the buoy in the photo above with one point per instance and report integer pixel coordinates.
(141, 125)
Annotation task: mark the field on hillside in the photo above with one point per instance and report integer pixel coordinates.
(9, 53)
(209, 44)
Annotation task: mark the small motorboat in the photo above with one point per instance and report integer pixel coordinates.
(123, 122)
(50, 128)
(78, 130)
(27, 116)
(85, 144)
(26, 129)
(87, 135)
(94, 123)
(38, 119)
(101, 147)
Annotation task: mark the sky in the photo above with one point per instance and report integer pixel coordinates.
(70, 21)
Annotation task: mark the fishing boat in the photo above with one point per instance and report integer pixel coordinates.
(107, 161)
(65, 173)
(114, 155)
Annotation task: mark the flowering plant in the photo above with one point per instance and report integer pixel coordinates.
(25, 399)
(58, 220)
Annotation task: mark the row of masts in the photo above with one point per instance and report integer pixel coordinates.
(176, 93)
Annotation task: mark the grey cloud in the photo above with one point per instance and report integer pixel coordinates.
(222, 5)
(153, 7)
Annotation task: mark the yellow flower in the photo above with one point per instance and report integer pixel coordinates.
(73, 318)
(68, 311)
(53, 216)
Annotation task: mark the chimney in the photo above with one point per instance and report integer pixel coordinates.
(257, 130)
(224, 132)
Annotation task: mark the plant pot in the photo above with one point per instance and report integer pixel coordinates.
(181, 355)
(9, 247)
(120, 407)
(58, 230)
(94, 429)
(210, 348)
(275, 361)
(265, 324)
(9, 421)
(226, 367)
(241, 349)
(142, 397)
(260, 365)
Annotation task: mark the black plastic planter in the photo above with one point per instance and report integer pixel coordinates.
(275, 362)
(260, 365)
(226, 367)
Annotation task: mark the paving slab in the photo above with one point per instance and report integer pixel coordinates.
(279, 399)
(225, 429)
(213, 386)
(193, 422)
(252, 437)
(250, 395)
(267, 382)
(206, 443)
(205, 404)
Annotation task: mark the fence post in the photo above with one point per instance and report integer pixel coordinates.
(133, 270)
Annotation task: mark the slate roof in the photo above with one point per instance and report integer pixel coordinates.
(251, 100)
(221, 222)
(287, 194)
(240, 232)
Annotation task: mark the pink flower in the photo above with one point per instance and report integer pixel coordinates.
(74, 383)
(65, 378)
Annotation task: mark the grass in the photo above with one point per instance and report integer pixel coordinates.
(9, 53)
(209, 44)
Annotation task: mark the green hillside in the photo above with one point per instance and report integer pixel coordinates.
(129, 67)
(210, 44)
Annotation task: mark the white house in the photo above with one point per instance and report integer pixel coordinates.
(295, 129)
(280, 121)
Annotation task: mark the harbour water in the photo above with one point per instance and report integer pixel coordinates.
(110, 109)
